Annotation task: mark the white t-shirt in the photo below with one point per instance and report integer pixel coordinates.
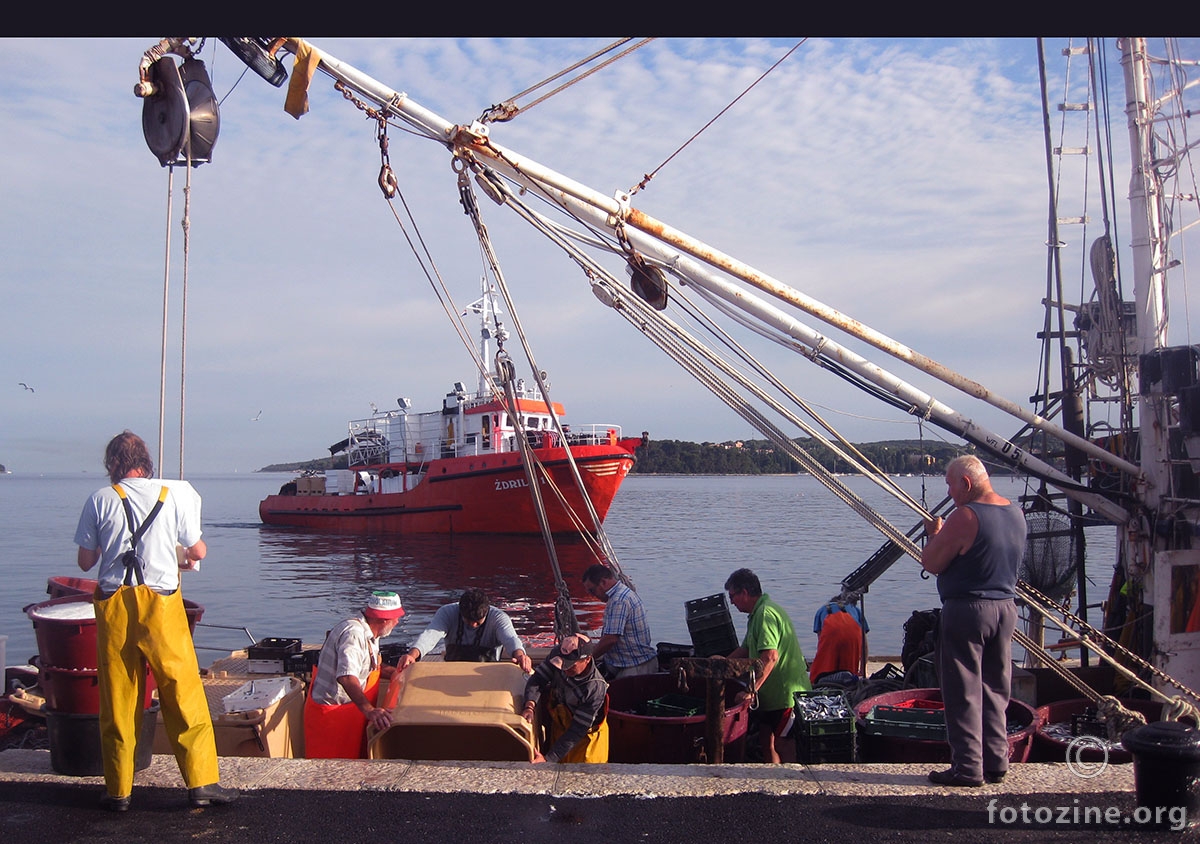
(102, 525)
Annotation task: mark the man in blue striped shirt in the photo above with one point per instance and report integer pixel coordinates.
(624, 645)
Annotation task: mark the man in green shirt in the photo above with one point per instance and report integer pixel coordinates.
(770, 638)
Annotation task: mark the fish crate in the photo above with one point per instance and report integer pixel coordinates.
(822, 714)
(825, 749)
(711, 626)
(674, 706)
(270, 655)
(910, 722)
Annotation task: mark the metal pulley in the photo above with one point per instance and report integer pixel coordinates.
(387, 181)
(182, 110)
(648, 282)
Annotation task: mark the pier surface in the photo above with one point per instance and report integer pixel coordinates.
(394, 800)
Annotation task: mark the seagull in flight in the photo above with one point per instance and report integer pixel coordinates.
(26, 386)
(256, 418)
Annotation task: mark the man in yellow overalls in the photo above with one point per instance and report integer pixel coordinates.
(132, 528)
(577, 703)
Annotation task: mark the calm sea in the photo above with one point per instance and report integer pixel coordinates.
(678, 538)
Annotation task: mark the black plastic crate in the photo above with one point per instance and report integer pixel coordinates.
(711, 626)
(391, 652)
(273, 648)
(302, 663)
(827, 749)
(712, 605)
(668, 652)
(714, 641)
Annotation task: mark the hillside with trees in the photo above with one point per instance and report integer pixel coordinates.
(744, 457)
(760, 457)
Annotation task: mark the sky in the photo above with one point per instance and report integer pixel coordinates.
(902, 182)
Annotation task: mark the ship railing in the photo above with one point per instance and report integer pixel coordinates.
(598, 434)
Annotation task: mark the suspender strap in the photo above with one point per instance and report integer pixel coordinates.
(133, 567)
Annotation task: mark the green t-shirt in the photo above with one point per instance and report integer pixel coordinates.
(770, 629)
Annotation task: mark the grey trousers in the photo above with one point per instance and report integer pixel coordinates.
(974, 657)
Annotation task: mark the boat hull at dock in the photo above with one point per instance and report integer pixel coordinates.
(477, 494)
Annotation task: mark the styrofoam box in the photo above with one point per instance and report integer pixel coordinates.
(257, 694)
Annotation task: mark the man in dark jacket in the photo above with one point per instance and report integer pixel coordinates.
(577, 705)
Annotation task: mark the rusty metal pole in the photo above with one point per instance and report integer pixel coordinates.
(715, 671)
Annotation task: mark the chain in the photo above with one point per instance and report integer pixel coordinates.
(387, 177)
(1048, 606)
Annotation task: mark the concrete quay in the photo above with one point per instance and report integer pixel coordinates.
(392, 800)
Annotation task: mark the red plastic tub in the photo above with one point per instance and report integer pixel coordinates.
(77, 690)
(68, 587)
(66, 631)
(1053, 748)
(634, 738)
(59, 587)
(892, 748)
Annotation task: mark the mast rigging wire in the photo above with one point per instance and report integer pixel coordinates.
(508, 109)
(648, 176)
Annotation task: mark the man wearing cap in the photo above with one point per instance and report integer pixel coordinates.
(625, 639)
(345, 688)
(474, 631)
(577, 704)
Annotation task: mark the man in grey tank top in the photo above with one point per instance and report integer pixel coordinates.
(975, 554)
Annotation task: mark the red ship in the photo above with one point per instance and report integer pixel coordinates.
(460, 469)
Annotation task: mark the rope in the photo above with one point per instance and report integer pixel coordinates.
(1099, 642)
(162, 375)
(1117, 718)
(687, 352)
(648, 176)
(187, 241)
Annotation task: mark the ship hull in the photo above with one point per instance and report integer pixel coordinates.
(480, 494)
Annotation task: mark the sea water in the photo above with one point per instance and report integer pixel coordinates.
(677, 537)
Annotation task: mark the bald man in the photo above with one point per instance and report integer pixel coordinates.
(975, 554)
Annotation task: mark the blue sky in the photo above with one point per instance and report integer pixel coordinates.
(902, 182)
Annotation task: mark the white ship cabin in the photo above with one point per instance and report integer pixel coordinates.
(390, 451)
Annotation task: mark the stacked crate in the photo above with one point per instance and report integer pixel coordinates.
(824, 728)
(711, 626)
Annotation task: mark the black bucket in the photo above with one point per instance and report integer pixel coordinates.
(75, 742)
(1166, 772)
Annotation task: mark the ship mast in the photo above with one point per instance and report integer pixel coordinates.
(1158, 547)
(1149, 249)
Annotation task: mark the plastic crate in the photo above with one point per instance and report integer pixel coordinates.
(674, 706)
(909, 722)
(826, 749)
(668, 652)
(808, 726)
(712, 605)
(271, 656)
(711, 626)
(272, 648)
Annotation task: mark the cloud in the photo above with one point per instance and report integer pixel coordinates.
(900, 181)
